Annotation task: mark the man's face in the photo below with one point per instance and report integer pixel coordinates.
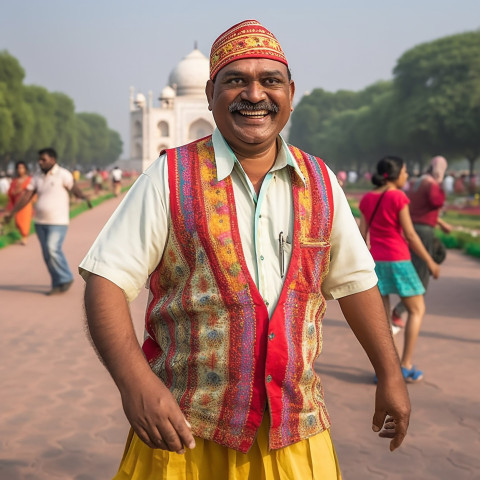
(251, 101)
(46, 162)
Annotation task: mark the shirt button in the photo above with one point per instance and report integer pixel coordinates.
(269, 378)
(262, 257)
(271, 336)
(266, 303)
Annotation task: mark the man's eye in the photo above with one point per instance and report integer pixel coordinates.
(272, 81)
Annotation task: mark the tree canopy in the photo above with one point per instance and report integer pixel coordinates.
(32, 118)
(431, 107)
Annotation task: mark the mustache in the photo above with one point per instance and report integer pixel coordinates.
(253, 107)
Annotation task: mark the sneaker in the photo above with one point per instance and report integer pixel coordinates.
(412, 375)
(397, 320)
(65, 286)
(395, 329)
(54, 291)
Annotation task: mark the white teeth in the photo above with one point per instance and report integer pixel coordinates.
(258, 113)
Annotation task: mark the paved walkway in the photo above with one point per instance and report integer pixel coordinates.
(61, 418)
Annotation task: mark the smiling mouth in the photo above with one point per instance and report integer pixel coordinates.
(254, 113)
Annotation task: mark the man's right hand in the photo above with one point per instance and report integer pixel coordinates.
(155, 415)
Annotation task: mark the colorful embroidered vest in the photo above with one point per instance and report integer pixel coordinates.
(211, 341)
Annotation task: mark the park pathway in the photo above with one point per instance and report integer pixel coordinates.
(61, 417)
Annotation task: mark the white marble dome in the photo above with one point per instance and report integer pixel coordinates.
(191, 74)
(140, 100)
(167, 93)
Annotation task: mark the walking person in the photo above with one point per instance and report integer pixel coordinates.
(23, 218)
(117, 180)
(427, 198)
(241, 238)
(52, 187)
(385, 219)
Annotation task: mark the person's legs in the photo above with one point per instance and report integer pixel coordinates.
(41, 231)
(416, 309)
(425, 232)
(51, 239)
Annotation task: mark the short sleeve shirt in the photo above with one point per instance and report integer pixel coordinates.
(387, 243)
(131, 244)
(53, 200)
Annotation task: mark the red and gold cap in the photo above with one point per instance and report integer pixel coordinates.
(247, 39)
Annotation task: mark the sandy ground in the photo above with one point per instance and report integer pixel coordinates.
(61, 417)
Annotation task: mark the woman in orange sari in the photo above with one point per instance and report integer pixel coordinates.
(23, 218)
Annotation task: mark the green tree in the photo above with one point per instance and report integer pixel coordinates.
(438, 96)
(115, 147)
(42, 105)
(7, 128)
(65, 133)
(94, 139)
(14, 111)
(325, 124)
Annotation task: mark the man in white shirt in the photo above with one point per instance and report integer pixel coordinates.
(117, 180)
(235, 232)
(52, 215)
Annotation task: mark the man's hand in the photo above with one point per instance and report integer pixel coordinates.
(367, 317)
(155, 415)
(392, 411)
(149, 406)
(7, 217)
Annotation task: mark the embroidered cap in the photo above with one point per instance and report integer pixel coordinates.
(247, 39)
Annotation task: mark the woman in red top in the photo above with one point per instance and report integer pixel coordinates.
(385, 216)
(23, 218)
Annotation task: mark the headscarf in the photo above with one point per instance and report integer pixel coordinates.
(438, 167)
(247, 39)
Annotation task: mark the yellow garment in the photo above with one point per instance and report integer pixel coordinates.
(311, 459)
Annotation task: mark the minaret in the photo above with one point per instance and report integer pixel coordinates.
(132, 98)
(150, 99)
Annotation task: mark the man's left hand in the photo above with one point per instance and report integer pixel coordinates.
(392, 411)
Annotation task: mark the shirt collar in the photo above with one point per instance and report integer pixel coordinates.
(225, 159)
(52, 171)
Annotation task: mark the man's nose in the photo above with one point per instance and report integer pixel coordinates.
(253, 92)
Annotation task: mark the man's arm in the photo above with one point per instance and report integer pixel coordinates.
(148, 404)
(366, 316)
(445, 227)
(79, 194)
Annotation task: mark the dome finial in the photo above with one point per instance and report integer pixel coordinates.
(195, 45)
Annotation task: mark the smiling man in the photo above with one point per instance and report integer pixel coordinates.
(241, 239)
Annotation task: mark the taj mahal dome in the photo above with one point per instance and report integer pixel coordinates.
(181, 116)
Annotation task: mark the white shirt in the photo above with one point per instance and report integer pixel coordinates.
(53, 202)
(116, 174)
(131, 244)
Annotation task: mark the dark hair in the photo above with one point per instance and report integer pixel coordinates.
(48, 151)
(21, 162)
(388, 169)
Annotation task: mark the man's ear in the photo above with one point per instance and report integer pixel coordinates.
(209, 87)
(292, 93)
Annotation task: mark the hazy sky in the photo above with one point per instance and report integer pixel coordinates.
(94, 50)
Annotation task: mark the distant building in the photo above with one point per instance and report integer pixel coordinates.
(181, 117)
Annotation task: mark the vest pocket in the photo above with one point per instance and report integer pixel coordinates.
(314, 263)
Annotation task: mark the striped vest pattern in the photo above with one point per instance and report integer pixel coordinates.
(209, 334)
